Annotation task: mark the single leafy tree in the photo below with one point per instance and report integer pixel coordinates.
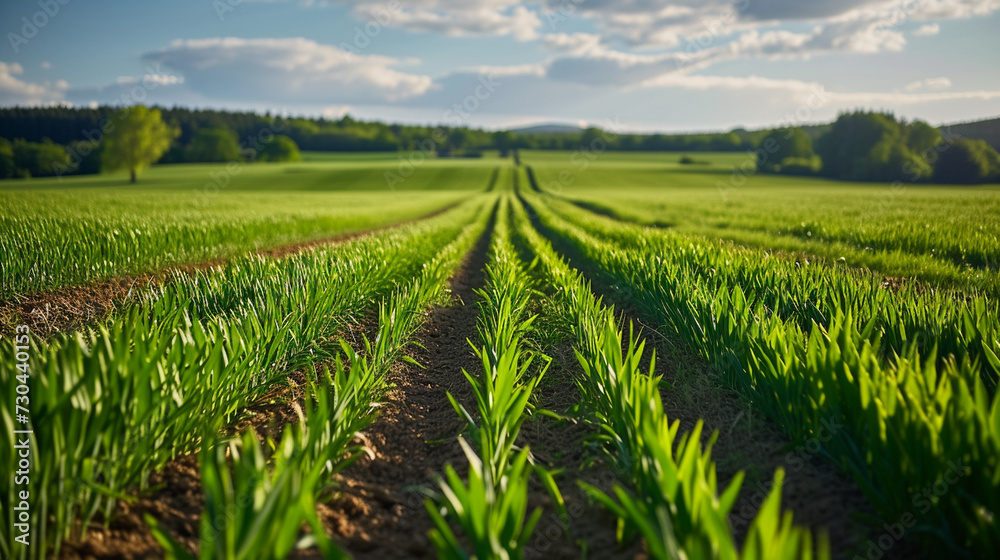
(862, 146)
(280, 148)
(504, 141)
(137, 140)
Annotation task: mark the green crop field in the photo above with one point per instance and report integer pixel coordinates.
(59, 233)
(575, 355)
(948, 235)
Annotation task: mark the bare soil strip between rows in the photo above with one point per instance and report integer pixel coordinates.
(70, 308)
(818, 494)
(379, 512)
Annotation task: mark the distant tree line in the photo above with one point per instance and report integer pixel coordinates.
(210, 135)
(874, 146)
(859, 146)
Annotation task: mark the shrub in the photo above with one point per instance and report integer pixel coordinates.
(799, 166)
(688, 160)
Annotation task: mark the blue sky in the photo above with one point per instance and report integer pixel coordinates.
(634, 65)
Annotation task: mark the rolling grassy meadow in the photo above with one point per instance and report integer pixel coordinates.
(578, 354)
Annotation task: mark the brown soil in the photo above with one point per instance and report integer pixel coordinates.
(68, 309)
(379, 510)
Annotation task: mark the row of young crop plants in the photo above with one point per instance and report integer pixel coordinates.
(490, 507)
(667, 494)
(911, 375)
(162, 378)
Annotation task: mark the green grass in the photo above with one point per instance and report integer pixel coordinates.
(55, 234)
(489, 157)
(632, 160)
(942, 234)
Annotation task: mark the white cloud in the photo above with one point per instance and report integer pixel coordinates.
(864, 34)
(14, 91)
(929, 83)
(860, 26)
(512, 70)
(46, 65)
(454, 18)
(937, 83)
(163, 79)
(613, 68)
(293, 70)
(151, 80)
(799, 92)
(572, 42)
(847, 25)
(927, 30)
(901, 99)
(702, 23)
(336, 112)
(587, 61)
(681, 100)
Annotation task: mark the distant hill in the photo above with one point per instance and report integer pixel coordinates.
(549, 129)
(988, 130)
